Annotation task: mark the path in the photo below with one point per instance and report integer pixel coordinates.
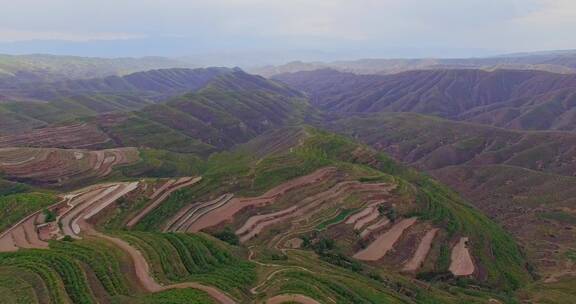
(142, 268)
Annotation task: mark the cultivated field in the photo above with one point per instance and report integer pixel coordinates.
(60, 167)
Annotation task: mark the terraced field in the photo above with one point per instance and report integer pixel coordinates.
(73, 215)
(74, 136)
(387, 234)
(60, 167)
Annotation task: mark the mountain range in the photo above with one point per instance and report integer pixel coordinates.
(436, 181)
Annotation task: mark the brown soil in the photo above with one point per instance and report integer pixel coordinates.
(461, 261)
(48, 166)
(142, 268)
(25, 233)
(185, 217)
(375, 227)
(294, 243)
(357, 216)
(373, 215)
(422, 251)
(291, 298)
(307, 207)
(69, 137)
(227, 211)
(83, 204)
(161, 195)
(378, 249)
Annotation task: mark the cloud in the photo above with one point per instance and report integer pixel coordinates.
(8, 35)
(503, 25)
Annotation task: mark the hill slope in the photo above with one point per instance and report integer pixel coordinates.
(231, 110)
(34, 68)
(519, 99)
(516, 177)
(556, 62)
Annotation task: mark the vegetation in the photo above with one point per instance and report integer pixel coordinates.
(162, 163)
(62, 275)
(342, 215)
(228, 236)
(14, 207)
(183, 257)
(176, 296)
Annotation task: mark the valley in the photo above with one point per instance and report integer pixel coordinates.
(217, 186)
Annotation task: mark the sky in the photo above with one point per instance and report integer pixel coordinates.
(286, 29)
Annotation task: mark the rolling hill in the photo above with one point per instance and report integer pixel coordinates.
(278, 208)
(214, 189)
(516, 177)
(55, 102)
(41, 67)
(446, 93)
(557, 62)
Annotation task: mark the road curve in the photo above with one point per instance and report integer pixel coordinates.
(142, 269)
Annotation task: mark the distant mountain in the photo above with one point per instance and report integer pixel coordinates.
(34, 68)
(511, 98)
(231, 109)
(220, 108)
(557, 62)
(523, 179)
(32, 105)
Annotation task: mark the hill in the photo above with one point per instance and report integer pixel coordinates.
(49, 103)
(282, 206)
(516, 177)
(40, 67)
(515, 99)
(557, 62)
(231, 107)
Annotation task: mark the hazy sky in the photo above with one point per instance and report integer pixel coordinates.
(337, 28)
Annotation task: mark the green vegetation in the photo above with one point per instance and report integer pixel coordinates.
(176, 257)
(162, 163)
(14, 207)
(62, 275)
(571, 254)
(49, 215)
(176, 296)
(493, 248)
(561, 292)
(7, 188)
(141, 132)
(342, 215)
(560, 216)
(228, 236)
(17, 286)
(102, 259)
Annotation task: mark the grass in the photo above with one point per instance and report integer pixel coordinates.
(176, 296)
(494, 250)
(162, 163)
(101, 258)
(559, 216)
(8, 188)
(342, 215)
(561, 292)
(62, 275)
(14, 207)
(14, 288)
(177, 257)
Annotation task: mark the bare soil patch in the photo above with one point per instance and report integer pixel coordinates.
(421, 252)
(383, 243)
(461, 261)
